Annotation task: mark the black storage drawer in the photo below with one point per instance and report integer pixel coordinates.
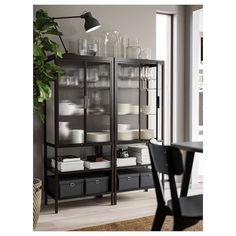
(96, 184)
(128, 180)
(68, 186)
(146, 179)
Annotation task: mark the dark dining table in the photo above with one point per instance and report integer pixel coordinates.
(190, 147)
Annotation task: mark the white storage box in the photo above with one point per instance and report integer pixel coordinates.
(68, 166)
(97, 165)
(129, 161)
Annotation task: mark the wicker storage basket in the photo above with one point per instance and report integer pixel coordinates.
(37, 200)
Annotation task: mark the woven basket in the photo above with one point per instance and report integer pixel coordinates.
(37, 200)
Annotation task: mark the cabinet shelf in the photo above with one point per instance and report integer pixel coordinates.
(70, 145)
(106, 114)
(135, 189)
(132, 167)
(132, 141)
(136, 114)
(79, 196)
(53, 170)
(143, 89)
(71, 116)
(81, 87)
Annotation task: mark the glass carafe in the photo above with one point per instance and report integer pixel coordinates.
(111, 44)
(117, 45)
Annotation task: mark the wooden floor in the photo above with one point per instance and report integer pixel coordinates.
(96, 211)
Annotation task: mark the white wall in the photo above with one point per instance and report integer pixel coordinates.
(133, 21)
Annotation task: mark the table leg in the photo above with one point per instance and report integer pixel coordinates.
(187, 174)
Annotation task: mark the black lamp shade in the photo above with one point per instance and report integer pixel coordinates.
(90, 23)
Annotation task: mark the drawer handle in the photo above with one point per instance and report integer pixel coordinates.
(129, 178)
(72, 185)
(97, 181)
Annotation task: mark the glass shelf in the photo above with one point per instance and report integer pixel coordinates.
(121, 87)
(151, 114)
(78, 87)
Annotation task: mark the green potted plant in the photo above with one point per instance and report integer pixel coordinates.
(44, 71)
(44, 50)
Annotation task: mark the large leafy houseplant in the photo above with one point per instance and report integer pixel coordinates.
(43, 49)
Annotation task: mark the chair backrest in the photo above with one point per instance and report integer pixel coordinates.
(166, 160)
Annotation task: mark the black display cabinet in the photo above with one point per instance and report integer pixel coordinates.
(138, 97)
(105, 103)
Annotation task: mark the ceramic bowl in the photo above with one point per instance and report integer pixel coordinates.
(134, 109)
(79, 110)
(125, 135)
(77, 135)
(98, 137)
(146, 133)
(145, 109)
(123, 127)
(66, 108)
(123, 108)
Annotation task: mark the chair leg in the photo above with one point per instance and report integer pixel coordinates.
(177, 226)
(180, 225)
(158, 220)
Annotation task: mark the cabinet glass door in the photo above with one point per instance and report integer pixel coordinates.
(148, 102)
(98, 102)
(71, 103)
(127, 102)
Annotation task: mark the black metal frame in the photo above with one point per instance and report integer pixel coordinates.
(113, 65)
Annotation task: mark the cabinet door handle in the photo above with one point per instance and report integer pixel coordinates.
(129, 178)
(158, 102)
(85, 102)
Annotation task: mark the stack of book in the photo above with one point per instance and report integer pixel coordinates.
(68, 163)
(97, 164)
(141, 152)
(128, 161)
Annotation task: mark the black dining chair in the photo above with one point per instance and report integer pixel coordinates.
(186, 211)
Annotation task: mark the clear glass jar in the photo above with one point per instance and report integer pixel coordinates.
(117, 45)
(82, 47)
(124, 45)
(111, 46)
(133, 52)
(145, 53)
(92, 49)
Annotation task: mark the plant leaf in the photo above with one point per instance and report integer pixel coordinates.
(44, 91)
(54, 31)
(37, 51)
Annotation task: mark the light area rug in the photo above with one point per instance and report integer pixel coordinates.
(140, 224)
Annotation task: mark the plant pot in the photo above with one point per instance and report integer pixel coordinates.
(37, 200)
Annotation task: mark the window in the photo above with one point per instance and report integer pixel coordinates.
(164, 40)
